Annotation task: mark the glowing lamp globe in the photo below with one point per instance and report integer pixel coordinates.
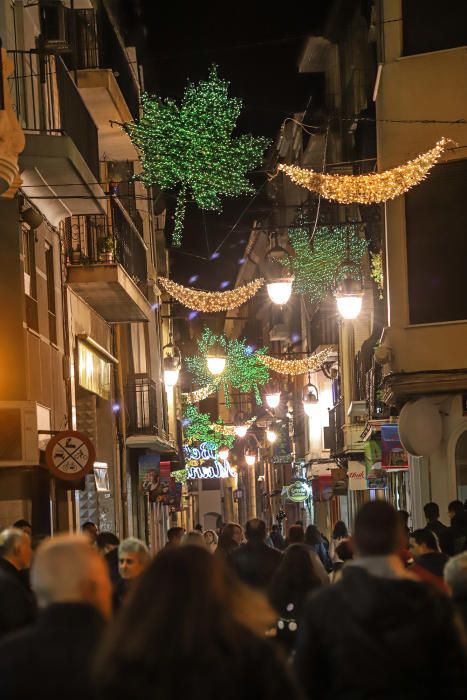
(171, 371)
(280, 290)
(349, 298)
(271, 436)
(273, 399)
(223, 452)
(250, 458)
(241, 430)
(309, 397)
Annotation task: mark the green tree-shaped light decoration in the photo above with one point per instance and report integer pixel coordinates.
(198, 428)
(317, 268)
(242, 371)
(190, 147)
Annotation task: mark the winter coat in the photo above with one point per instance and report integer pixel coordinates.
(434, 562)
(369, 637)
(17, 606)
(255, 563)
(52, 658)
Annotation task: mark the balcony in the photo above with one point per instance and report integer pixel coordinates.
(60, 163)
(141, 417)
(107, 265)
(106, 80)
(336, 428)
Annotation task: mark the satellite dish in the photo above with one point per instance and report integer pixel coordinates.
(420, 427)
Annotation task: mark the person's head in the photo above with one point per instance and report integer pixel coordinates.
(66, 569)
(210, 537)
(295, 575)
(133, 558)
(15, 547)
(275, 528)
(233, 531)
(312, 536)
(89, 530)
(454, 508)
(106, 542)
(296, 534)
(299, 522)
(455, 575)
(423, 541)
(199, 527)
(194, 538)
(404, 516)
(431, 511)
(210, 608)
(174, 535)
(344, 550)
(23, 525)
(255, 530)
(340, 530)
(378, 529)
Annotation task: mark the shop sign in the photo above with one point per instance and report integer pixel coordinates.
(93, 371)
(393, 454)
(149, 474)
(377, 478)
(298, 492)
(203, 462)
(322, 488)
(70, 455)
(339, 481)
(357, 476)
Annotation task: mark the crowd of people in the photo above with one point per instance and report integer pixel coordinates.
(379, 613)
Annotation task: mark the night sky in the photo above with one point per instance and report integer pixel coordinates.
(257, 50)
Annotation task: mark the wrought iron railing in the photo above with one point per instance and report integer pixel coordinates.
(47, 101)
(336, 428)
(141, 407)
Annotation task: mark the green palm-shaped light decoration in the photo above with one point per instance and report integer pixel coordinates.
(318, 267)
(190, 148)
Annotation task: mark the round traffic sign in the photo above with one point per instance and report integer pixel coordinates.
(70, 455)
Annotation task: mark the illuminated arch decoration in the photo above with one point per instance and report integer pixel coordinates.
(312, 363)
(372, 188)
(199, 394)
(230, 429)
(210, 302)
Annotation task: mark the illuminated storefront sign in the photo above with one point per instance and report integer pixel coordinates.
(203, 462)
(94, 371)
(298, 492)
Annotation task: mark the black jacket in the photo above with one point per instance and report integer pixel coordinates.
(255, 563)
(434, 562)
(17, 607)
(391, 639)
(52, 658)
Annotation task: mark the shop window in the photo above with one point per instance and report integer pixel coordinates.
(461, 467)
(436, 221)
(431, 26)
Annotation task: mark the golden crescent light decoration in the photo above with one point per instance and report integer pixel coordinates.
(200, 394)
(293, 367)
(371, 188)
(229, 429)
(211, 302)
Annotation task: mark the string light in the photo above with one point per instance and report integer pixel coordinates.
(199, 428)
(372, 188)
(200, 394)
(231, 429)
(210, 302)
(318, 269)
(243, 370)
(293, 367)
(190, 148)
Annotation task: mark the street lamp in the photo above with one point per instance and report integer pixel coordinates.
(279, 286)
(349, 297)
(273, 398)
(223, 452)
(309, 397)
(241, 430)
(271, 436)
(171, 363)
(250, 457)
(216, 360)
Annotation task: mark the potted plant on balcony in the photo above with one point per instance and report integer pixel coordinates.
(74, 255)
(106, 249)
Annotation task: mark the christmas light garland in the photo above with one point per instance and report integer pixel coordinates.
(372, 188)
(199, 428)
(317, 268)
(190, 147)
(200, 394)
(243, 370)
(293, 367)
(210, 302)
(230, 429)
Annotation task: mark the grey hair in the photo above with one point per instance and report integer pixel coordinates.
(133, 544)
(9, 539)
(455, 573)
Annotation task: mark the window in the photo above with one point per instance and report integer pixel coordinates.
(49, 269)
(433, 26)
(436, 221)
(30, 282)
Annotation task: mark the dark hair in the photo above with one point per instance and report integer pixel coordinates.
(135, 655)
(340, 530)
(255, 530)
(431, 511)
(88, 525)
(377, 529)
(456, 507)
(294, 579)
(312, 536)
(344, 550)
(104, 539)
(199, 527)
(404, 517)
(426, 537)
(21, 523)
(174, 533)
(296, 534)
(226, 543)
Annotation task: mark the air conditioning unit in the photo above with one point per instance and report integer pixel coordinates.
(18, 434)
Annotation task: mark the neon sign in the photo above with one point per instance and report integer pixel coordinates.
(203, 462)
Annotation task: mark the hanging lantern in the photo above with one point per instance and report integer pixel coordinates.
(216, 360)
(223, 452)
(349, 298)
(310, 397)
(172, 363)
(241, 430)
(250, 457)
(271, 436)
(279, 286)
(273, 398)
